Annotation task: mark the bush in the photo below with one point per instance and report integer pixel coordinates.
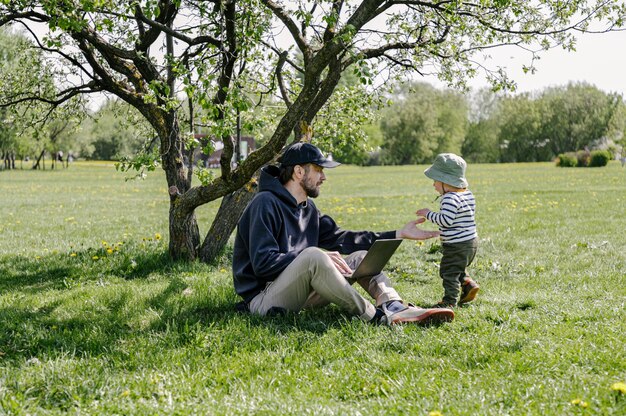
(600, 158)
(583, 157)
(567, 160)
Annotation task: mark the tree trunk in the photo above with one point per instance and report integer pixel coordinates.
(183, 226)
(224, 223)
(41, 158)
(184, 235)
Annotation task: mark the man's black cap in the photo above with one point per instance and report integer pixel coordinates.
(303, 153)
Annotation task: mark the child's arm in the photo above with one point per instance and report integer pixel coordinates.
(445, 218)
(422, 212)
(434, 217)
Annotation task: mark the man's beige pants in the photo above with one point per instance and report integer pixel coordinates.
(312, 280)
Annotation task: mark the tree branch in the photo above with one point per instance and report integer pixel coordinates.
(108, 82)
(330, 31)
(66, 56)
(281, 82)
(30, 15)
(229, 57)
(291, 27)
(382, 51)
(161, 27)
(289, 61)
(61, 96)
(167, 13)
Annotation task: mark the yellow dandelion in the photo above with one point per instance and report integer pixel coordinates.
(619, 387)
(157, 236)
(222, 270)
(72, 254)
(125, 393)
(109, 251)
(37, 257)
(575, 401)
(95, 257)
(435, 413)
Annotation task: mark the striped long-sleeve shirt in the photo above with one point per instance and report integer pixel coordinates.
(456, 217)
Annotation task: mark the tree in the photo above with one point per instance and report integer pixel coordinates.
(115, 131)
(422, 123)
(520, 135)
(221, 52)
(577, 115)
(558, 120)
(481, 140)
(12, 55)
(30, 127)
(618, 128)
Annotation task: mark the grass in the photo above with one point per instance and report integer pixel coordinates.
(95, 319)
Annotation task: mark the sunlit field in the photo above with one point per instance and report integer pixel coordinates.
(95, 318)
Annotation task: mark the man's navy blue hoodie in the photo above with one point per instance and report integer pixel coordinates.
(274, 229)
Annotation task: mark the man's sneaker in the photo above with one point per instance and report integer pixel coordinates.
(469, 290)
(411, 313)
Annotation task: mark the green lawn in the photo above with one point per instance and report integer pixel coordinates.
(95, 319)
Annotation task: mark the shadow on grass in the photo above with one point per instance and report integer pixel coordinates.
(54, 305)
(58, 271)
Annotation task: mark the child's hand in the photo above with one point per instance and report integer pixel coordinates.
(422, 212)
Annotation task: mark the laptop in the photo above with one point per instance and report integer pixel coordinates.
(376, 258)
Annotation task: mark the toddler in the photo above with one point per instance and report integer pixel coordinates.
(458, 228)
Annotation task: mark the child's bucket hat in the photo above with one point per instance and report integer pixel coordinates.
(449, 169)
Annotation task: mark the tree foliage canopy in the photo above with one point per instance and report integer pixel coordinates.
(422, 122)
(539, 127)
(30, 127)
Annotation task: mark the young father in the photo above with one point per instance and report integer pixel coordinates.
(288, 255)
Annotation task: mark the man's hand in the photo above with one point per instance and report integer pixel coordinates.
(422, 212)
(339, 262)
(411, 231)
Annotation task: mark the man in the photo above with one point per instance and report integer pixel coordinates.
(288, 256)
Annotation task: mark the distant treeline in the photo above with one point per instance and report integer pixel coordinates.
(487, 127)
(419, 122)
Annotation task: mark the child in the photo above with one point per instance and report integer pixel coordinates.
(458, 228)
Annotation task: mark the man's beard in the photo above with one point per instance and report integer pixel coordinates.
(312, 190)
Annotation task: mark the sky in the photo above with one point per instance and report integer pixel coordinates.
(599, 59)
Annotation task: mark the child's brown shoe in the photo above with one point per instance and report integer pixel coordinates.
(469, 290)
